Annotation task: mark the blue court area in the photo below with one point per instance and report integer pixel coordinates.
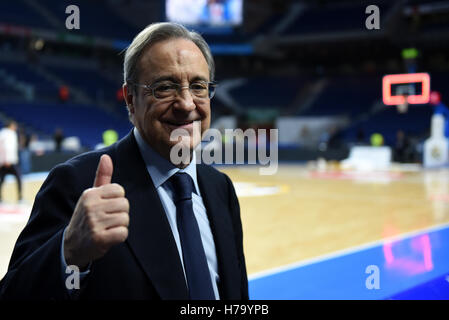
(412, 266)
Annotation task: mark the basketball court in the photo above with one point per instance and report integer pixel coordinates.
(312, 232)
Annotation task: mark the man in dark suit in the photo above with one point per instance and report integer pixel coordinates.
(121, 216)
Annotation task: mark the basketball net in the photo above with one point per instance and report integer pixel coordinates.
(403, 107)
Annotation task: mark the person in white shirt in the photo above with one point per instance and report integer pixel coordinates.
(9, 156)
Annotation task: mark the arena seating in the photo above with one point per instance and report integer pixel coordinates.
(347, 96)
(43, 89)
(90, 80)
(335, 17)
(111, 26)
(16, 13)
(389, 121)
(267, 92)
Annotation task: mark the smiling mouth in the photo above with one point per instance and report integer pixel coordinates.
(179, 124)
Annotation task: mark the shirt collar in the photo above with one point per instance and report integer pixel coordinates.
(159, 168)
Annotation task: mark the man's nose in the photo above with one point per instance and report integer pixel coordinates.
(184, 100)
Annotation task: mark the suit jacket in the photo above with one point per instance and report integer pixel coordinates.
(147, 264)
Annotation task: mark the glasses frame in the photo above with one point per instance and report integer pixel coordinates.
(151, 87)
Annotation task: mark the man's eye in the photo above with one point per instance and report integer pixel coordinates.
(165, 87)
(198, 86)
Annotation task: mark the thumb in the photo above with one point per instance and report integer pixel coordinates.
(104, 171)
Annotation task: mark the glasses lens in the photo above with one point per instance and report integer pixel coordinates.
(211, 91)
(199, 89)
(164, 90)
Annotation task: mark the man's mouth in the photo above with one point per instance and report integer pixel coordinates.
(179, 124)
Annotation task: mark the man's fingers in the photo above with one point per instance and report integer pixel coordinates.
(111, 191)
(116, 235)
(104, 171)
(111, 220)
(117, 205)
(118, 220)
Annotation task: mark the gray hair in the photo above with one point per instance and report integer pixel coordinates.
(157, 32)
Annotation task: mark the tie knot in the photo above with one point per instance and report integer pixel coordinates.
(182, 186)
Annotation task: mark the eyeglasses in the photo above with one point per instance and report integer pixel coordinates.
(168, 90)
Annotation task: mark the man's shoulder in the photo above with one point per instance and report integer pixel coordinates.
(213, 175)
(92, 156)
(210, 171)
(89, 158)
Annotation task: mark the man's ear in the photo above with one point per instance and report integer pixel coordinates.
(129, 99)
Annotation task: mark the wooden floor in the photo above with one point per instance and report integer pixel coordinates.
(301, 213)
(14, 217)
(319, 213)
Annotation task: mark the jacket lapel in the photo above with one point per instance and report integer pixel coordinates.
(221, 224)
(150, 236)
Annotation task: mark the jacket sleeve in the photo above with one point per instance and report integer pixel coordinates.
(35, 270)
(237, 226)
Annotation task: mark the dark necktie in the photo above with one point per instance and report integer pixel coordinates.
(195, 262)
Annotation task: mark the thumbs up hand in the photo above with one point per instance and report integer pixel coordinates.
(100, 219)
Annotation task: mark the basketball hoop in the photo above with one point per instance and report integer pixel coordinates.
(405, 90)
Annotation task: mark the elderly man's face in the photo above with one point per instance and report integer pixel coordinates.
(179, 61)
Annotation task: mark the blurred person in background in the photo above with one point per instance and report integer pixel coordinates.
(9, 156)
(58, 137)
(402, 150)
(24, 151)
